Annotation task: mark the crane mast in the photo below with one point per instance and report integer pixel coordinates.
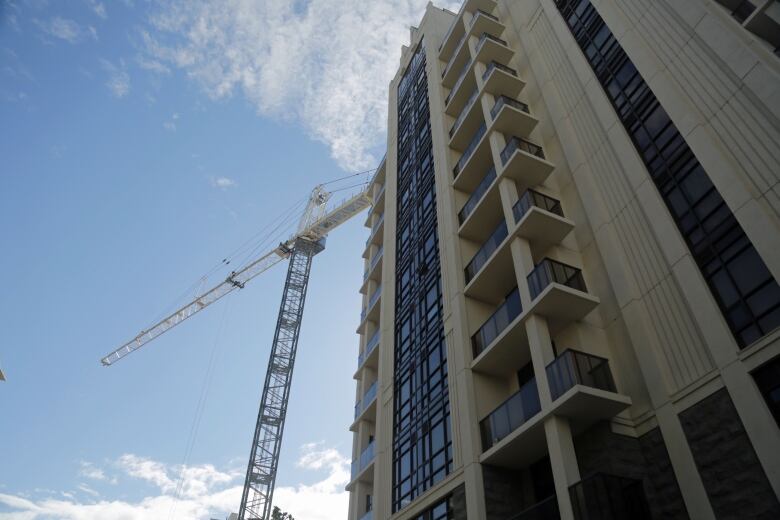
(308, 241)
(267, 441)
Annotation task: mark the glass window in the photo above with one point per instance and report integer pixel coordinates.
(767, 379)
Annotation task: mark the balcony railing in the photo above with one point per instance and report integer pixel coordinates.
(549, 271)
(609, 497)
(498, 321)
(454, 54)
(465, 111)
(547, 509)
(370, 346)
(476, 196)
(518, 143)
(484, 252)
(371, 302)
(457, 83)
(502, 101)
(375, 227)
(487, 36)
(367, 398)
(510, 415)
(377, 256)
(573, 367)
(533, 198)
(365, 459)
(469, 149)
(494, 65)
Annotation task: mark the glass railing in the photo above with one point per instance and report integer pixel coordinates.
(371, 302)
(368, 516)
(549, 271)
(469, 149)
(363, 461)
(547, 509)
(374, 297)
(370, 346)
(376, 225)
(463, 112)
(494, 65)
(457, 83)
(367, 398)
(454, 54)
(518, 143)
(377, 256)
(573, 367)
(477, 194)
(488, 248)
(498, 321)
(533, 198)
(488, 36)
(367, 456)
(510, 415)
(609, 497)
(502, 101)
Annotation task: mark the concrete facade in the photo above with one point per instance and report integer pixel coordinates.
(622, 373)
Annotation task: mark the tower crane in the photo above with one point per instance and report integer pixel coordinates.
(317, 221)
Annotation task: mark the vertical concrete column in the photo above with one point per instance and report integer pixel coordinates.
(563, 461)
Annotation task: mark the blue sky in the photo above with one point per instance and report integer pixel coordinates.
(141, 143)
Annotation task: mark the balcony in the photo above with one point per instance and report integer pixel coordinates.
(368, 311)
(513, 434)
(500, 80)
(487, 249)
(558, 293)
(379, 197)
(374, 269)
(492, 49)
(474, 161)
(609, 497)
(540, 218)
(497, 326)
(582, 389)
(360, 466)
(376, 236)
(371, 344)
(510, 415)
(459, 95)
(467, 122)
(524, 162)
(482, 21)
(510, 115)
(458, 60)
(365, 407)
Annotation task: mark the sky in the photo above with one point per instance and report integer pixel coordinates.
(141, 144)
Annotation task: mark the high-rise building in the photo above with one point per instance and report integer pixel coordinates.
(571, 305)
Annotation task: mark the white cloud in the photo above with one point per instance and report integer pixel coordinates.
(118, 79)
(90, 471)
(98, 8)
(205, 492)
(325, 63)
(223, 183)
(65, 29)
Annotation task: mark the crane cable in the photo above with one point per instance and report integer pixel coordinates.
(199, 408)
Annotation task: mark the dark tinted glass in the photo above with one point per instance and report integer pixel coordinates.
(422, 443)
